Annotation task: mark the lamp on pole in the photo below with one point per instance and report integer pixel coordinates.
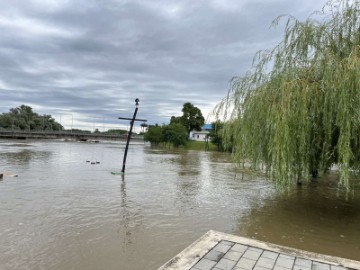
(72, 122)
(43, 123)
(72, 119)
(28, 122)
(102, 120)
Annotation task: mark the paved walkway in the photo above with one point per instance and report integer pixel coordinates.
(219, 251)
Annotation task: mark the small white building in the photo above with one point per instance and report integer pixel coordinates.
(200, 136)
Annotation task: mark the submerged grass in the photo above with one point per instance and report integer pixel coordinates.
(195, 145)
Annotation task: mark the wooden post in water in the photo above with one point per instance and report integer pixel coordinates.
(129, 136)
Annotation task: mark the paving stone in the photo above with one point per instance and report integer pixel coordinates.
(270, 254)
(214, 255)
(320, 266)
(233, 255)
(285, 261)
(227, 243)
(287, 257)
(299, 267)
(336, 267)
(284, 268)
(204, 264)
(222, 247)
(239, 248)
(259, 268)
(246, 263)
(303, 262)
(251, 254)
(225, 264)
(256, 249)
(265, 262)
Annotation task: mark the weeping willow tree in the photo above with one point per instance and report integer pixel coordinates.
(298, 110)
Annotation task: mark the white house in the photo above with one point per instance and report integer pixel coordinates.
(200, 135)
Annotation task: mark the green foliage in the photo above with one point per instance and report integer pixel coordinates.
(116, 131)
(174, 134)
(177, 132)
(23, 118)
(154, 134)
(75, 130)
(174, 120)
(216, 134)
(192, 118)
(297, 112)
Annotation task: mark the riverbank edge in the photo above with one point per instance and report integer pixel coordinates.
(193, 253)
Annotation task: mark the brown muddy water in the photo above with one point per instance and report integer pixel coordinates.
(63, 213)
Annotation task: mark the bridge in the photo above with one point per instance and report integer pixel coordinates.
(64, 134)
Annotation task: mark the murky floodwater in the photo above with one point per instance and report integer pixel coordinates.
(64, 213)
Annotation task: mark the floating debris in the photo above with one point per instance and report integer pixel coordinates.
(8, 174)
(93, 162)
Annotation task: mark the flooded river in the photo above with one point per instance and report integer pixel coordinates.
(64, 213)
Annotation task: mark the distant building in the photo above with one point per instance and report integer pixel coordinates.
(201, 135)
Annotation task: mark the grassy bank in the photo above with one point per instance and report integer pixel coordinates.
(194, 145)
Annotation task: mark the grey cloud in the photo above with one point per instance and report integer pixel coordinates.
(94, 57)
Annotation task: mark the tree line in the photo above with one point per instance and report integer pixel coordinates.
(24, 118)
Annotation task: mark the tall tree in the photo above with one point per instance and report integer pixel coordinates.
(297, 112)
(192, 118)
(175, 120)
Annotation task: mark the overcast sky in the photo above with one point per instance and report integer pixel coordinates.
(85, 61)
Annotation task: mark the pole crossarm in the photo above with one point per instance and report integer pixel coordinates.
(125, 118)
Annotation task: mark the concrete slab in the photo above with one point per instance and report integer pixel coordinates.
(216, 250)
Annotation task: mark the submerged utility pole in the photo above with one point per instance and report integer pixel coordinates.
(132, 120)
(129, 136)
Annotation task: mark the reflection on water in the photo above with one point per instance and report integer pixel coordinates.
(25, 156)
(189, 164)
(64, 213)
(314, 217)
(21, 153)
